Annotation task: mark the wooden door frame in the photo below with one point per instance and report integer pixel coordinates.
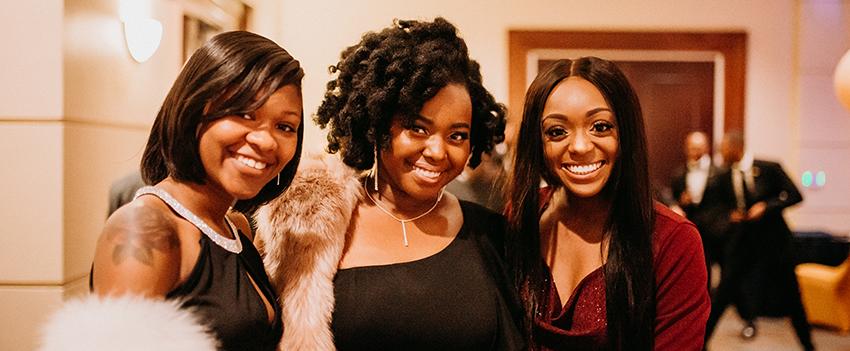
(732, 45)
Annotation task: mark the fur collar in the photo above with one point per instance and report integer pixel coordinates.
(301, 235)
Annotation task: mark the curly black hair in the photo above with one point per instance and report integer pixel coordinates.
(393, 73)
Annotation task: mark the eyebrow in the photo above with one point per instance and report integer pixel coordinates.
(597, 110)
(430, 122)
(289, 113)
(589, 114)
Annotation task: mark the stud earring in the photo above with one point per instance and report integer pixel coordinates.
(278, 179)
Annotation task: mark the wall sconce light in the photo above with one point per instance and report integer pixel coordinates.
(842, 80)
(143, 36)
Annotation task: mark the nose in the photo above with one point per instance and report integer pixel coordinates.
(580, 144)
(435, 148)
(261, 139)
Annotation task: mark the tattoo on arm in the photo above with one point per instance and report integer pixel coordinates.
(139, 237)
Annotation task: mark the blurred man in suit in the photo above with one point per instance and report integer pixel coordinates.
(688, 186)
(758, 253)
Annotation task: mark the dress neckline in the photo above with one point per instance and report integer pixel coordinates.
(232, 245)
(461, 232)
(571, 300)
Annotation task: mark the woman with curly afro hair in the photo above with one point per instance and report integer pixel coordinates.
(416, 268)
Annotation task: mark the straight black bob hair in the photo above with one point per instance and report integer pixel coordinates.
(232, 74)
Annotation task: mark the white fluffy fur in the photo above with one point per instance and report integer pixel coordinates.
(125, 323)
(302, 234)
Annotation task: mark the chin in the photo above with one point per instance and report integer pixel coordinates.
(581, 194)
(584, 191)
(245, 194)
(420, 192)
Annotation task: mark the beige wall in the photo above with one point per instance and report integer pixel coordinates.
(31, 60)
(32, 175)
(822, 124)
(75, 108)
(109, 102)
(74, 116)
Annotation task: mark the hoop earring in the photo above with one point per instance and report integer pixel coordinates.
(278, 180)
(374, 170)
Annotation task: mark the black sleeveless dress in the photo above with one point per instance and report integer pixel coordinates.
(456, 299)
(220, 292)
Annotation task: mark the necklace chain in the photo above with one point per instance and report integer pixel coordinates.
(400, 220)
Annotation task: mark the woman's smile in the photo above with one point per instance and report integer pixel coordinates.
(250, 162)
(583, 169)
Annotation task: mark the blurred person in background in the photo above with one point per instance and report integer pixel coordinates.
(123, 190)
(759, 261)
(693, 196)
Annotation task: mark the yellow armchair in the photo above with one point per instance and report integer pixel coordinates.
(825, 291)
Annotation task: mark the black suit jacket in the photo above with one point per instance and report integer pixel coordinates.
(772, 186)
(711, 214)
(769, 241)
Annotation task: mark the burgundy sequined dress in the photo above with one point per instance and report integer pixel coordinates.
(682, 302)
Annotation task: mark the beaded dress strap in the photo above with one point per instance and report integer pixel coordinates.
(232, 245)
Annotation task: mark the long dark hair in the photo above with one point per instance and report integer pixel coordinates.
(232, 74)
(393, 73)
(628, 271)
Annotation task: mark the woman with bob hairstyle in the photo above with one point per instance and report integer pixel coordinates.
(226, 140)
(374, 253)
(599, 265)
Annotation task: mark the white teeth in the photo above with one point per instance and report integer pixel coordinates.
(426, 173)
(251, 162)
(583, 169)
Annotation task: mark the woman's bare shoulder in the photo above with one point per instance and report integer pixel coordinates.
(138, 250)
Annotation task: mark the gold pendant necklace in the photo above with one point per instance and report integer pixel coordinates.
(400, 220)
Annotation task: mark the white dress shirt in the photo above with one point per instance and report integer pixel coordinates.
(697, 177)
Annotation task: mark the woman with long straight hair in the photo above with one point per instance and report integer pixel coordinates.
(598, 264)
